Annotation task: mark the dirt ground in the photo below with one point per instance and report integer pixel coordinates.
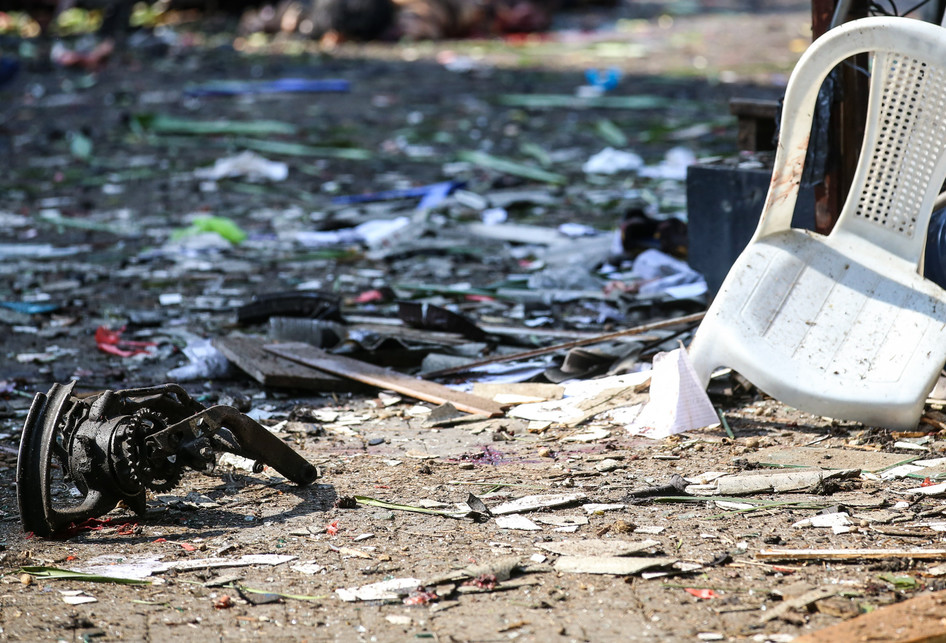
(86, 170)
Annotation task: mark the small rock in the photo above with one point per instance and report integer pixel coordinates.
(609, 465)
(622, 527)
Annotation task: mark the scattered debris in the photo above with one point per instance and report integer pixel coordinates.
(480, 239)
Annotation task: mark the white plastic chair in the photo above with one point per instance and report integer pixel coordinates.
(844, 325)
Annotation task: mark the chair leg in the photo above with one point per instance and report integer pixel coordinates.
(702, 358)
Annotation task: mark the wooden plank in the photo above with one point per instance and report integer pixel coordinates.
(269, 370)
(917, 620)
(849, 554)
(384, 378)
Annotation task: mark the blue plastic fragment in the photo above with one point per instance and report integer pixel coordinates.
(30, 307)
(280, 85)
(436, 193)
(605, 79)
(9, 67)
(430, 194)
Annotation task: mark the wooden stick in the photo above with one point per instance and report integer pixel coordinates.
(637, 330)
(848, 554)
(384, 378)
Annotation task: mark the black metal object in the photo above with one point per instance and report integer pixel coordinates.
(431, 317)
(80, 456)
(723, 207)
(310, 304)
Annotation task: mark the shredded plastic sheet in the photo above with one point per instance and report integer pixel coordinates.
(248, 165)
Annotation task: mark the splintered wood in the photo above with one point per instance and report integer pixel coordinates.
(384, 378)
(918, 620)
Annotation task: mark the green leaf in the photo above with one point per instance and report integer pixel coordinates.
(80, 146)
(160, 124)
(568, 101)
(225, 227)
(611, 133)
(287, 148)
(537, 152)
(55, 573)
(511, 167)
(905, 582)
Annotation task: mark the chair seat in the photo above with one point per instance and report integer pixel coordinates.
(833, 326)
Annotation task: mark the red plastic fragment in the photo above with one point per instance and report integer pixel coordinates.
(369, 296)
(110, 341)
(704, 594)
(223, 603)
(127, 529)
(483, 581)
(421, 596)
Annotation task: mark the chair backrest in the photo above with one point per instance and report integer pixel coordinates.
(902, 162)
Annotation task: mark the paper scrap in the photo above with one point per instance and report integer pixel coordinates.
(516, 521)
(678, 402)
(387, 590)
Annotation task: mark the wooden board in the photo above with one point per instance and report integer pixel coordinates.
(384, 378)
(269, 370)
(850, 554)
(918, 620)
(822, 458)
